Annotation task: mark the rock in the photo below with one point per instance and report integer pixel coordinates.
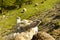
(56, 33)
(36, 4)
(18, 20)
(26, 22)
(42, 36)
(3, 16)
(25, 25)
(25, 32)
(27, 35)
(24, 10)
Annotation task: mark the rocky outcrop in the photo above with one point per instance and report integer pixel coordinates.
(27, 35)
(42, 36)
(24, 30)
(56, 34)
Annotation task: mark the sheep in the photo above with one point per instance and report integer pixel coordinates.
(10, 36)
(27, 22)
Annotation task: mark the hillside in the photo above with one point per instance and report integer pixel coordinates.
(47, 11)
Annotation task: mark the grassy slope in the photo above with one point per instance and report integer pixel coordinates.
(11, 15)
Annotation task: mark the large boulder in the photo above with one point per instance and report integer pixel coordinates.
(27, 35)
(29, 30)
(42, 36)
(25, 30)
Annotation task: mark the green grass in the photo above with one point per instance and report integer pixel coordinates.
(11, 20)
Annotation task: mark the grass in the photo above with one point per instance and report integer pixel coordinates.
(11, 15)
